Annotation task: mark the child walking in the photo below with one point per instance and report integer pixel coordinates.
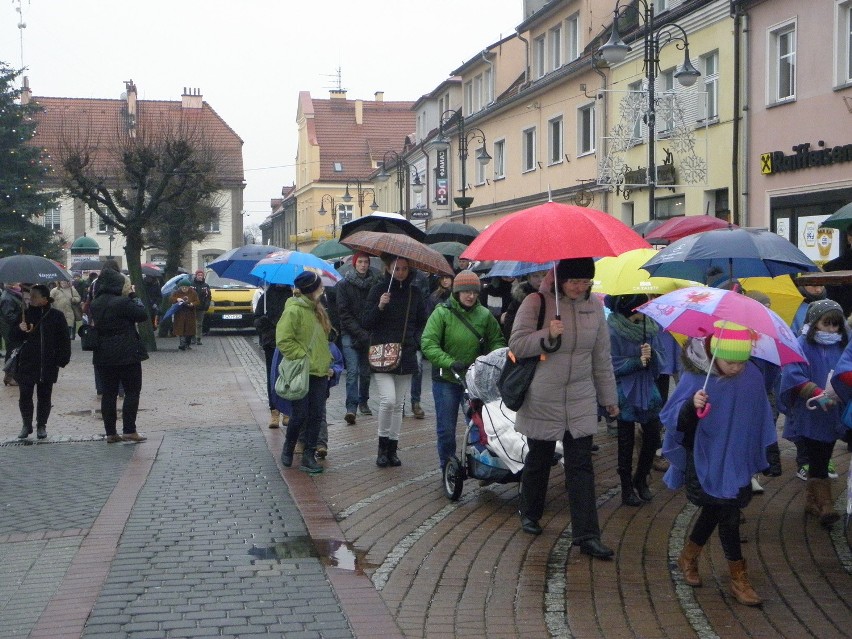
(714, 456)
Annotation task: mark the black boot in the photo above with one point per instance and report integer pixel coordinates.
(287, 454)
(309, 462)
(382, 457)
(26, 431)
(650, 443)
(41, 431)
(626, 438)
(628, 495)
(393, 460)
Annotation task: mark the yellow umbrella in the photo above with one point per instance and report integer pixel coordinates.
(624, 275)
(783, 294)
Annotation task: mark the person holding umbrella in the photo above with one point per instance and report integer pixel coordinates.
(572, 378)
(202, 290)
(11, 308)
(184, 317)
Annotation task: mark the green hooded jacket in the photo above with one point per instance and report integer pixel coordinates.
(446, 339)
(299, 330)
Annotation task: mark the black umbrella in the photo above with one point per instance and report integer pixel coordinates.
(87, 265)
(645, 228)
(451, 232)
(380, 222)
(31, 269)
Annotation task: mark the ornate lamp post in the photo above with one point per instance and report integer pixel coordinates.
(111, 238)
(361, 193)
(333, 208)
(403, 173)
(655, 38)
(449, 119)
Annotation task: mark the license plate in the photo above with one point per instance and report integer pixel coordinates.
(232, 316)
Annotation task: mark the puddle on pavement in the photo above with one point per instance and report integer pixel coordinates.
(331, 552)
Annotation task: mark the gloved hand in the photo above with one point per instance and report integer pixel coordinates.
(825, 402)
(459, 367)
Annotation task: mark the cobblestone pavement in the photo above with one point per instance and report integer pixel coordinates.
(193, 533)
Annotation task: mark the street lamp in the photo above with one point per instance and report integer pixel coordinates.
(448, 118)
(403, 173)
(361, 193)
(110, 237)
(614, 52)
(322, 211)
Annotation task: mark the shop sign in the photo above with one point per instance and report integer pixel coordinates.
(665, 176)
(804, 158)
(420, 213)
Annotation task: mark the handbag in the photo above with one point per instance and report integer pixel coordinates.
(294, 375)
(88, 337)
(11, 365)
(386, 357)
(518, 372)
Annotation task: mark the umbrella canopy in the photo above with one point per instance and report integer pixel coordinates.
(31, 269)
(451, 232)
(644, 228)
(553, 231)
(624, 275)
(171, 285)
(87, 265)
(381, 222)
(237, 263)
(679, 227)
(729, 253)
(283, 268)
(151, 269)
(783, 294)
(840, 219)
(449, 249)
(509, 268)
(330, 249)
(418, 254)
(693, 311)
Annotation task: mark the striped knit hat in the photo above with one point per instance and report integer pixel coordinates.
(466, 281)
(731, 342)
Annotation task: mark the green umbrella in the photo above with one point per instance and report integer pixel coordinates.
(840, 219)
(330, 249)
(449, 249)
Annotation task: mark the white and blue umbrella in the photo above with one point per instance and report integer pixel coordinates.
(284, 267)
(171, 285)
(517, 269)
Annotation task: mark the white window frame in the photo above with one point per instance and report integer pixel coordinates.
(710, 75)
(477, 93)
(213, 226)
(843, 42)
(555, 140)
(468, 97)
(539, 57)
(555, 47)
(488, 96)
(53, 218)
(572, 37)
(586, 137)
(636, 134)
(344, 214)
(500, 159)
(775, 64)
(668, 88)
(528, 156)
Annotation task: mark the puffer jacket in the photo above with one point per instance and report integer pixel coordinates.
(351, 298)
(300, 333)
(446, 339)
(571, 382)
(45, 349)
(387, 326)
(115, 317)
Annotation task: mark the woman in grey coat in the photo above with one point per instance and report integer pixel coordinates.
(574, 376)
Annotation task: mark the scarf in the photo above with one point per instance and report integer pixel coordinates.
(633, 332)
(827, 339)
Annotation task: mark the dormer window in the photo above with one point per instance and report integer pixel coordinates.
(338, 167)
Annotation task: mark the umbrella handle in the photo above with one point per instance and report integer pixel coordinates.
(704, 411)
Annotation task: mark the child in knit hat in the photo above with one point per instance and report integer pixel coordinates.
(714, 450)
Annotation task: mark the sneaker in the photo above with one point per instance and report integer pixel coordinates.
(832, 471)
(417, 411)
(113, 439)
(350, 417)
(365, 409)
(803, 473)
(133, 437)
(755, 486)
(322, 451)
(299, 449)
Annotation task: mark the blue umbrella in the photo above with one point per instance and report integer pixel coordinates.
(727, 253)
(517, 269)
(237, 263)
(283, 268)
(171, 285)
(172, 310)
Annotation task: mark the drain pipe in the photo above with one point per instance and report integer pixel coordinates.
(526, 42)
(604, 118)
(746, 142)
(738, 117)
(485, 59)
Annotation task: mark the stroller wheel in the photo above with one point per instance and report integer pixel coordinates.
(453, 478)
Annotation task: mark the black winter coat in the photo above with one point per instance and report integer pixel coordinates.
(115, 317)
(268, 311)
(351, 300)
(46, 349)
(386, 326)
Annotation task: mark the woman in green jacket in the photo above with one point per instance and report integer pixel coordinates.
(303, 331)
(457, 332)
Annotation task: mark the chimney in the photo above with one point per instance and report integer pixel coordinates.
(359, 111)
(130, 90)
(191, 99)
(380, 96)
(337, 94)
(26, 93)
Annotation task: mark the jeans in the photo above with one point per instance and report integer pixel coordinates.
(357, 374)
(112, 377)
(43, 392)
(417, 380)
(308, 414)
(448, 399)
(391, 389)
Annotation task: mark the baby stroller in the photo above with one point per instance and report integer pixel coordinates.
(493, 451)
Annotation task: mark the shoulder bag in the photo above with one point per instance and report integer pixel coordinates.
(88, 337)
(386, 357)
(518, 372)
(480, 340)
(294, 375)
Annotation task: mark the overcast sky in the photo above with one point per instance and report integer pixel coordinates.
(250, 58)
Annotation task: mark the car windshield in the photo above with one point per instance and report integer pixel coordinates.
(223, 282)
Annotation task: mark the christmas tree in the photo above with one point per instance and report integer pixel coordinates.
(24, 197)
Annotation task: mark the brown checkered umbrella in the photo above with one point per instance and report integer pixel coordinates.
(418, 255)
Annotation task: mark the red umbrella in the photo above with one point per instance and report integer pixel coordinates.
(554, 231)
(679, 227)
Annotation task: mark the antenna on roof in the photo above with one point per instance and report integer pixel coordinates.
(338, 79)
(21, 26)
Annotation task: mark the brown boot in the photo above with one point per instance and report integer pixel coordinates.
(740, 586)
(688, 563)
(811, 499)
(274, 418)
(827, 514)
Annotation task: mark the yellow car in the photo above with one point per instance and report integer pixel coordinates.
(230, 303)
